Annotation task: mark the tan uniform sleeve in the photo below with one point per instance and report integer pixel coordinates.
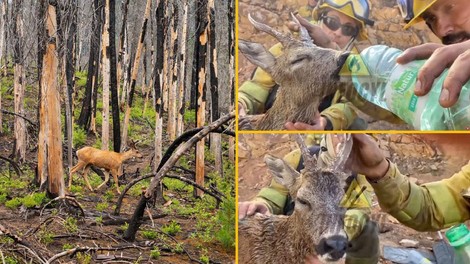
(253, 94)
(341, 113)
(429, 207)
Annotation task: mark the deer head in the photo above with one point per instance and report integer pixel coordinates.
(317, 192)
(301, 63)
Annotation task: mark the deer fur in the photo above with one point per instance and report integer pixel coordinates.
(317, 220)
(109, 160)
(305, 73)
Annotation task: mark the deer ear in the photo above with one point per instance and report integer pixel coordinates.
(281, 171)
(257, 54)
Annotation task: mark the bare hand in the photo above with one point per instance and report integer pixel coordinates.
(319, 123)
(457, 56)
(320, 38)
(366, 157)
(250, 208)
(241, 109)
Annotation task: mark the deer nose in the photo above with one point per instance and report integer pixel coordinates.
(333, 246)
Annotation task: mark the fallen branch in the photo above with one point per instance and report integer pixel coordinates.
(129, 235)
(14, 164)
(75, 250)
(25, 118)
(20, 241)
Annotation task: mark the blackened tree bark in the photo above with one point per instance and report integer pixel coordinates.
(19, 83)
(201, 88)
(113, 77)
(93, 63)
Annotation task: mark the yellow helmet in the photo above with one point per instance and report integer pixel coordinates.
(356, 9)
(411, 10)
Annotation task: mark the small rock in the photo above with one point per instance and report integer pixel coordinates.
(433, 167)
(409, 243)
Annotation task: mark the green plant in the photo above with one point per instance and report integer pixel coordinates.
(13, 203)
(204, 258)
(11, 260)
(67, 246)
(83, 258)
(177, 185)
(226, 222)
(124, 227)
(109, 195)
(155, 253)
(149, 234)
(33, 200)
(79, 136)
(99, 220)
(171, 229)
(179, 248)
(76, 189)
(70, 224)
(189, 116)
(3, 198)
(102, 206)
(46, 237)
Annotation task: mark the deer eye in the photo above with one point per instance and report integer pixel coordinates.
(299, 59)
(303, 202)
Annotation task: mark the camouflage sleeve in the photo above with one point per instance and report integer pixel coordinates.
(341, 113)
(431, 206)
(253, 94)
(275, 195)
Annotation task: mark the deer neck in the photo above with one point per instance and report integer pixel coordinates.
(127, 155)
(289, 107)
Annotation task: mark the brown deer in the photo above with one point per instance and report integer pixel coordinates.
(109, 160)
(316, 225)
(305, 73)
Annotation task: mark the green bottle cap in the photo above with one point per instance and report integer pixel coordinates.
(458, 235)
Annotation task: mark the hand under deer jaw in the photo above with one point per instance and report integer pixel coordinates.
(306, 74)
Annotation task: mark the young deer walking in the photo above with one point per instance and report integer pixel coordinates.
(316, 225)
(109, 160)
(305, 73)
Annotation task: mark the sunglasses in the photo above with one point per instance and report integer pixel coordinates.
(334, 24)
(360, 8)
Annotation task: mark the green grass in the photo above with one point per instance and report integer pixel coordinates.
(171, 229)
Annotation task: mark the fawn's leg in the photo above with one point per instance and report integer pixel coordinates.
(106, 179)
(85, 173)
(116, 181)
(74, 169)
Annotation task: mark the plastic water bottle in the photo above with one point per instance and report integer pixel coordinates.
(391, 86)
(459, 239)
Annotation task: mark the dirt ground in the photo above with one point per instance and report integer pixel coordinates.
(422, 157)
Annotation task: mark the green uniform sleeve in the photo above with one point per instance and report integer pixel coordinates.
(253, 94)
(341, 113)
(275, 195)
(429, 207)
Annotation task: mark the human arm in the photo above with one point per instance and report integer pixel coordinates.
(428, 207)
(455, 56)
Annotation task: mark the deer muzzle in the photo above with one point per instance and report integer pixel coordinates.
(332, 248)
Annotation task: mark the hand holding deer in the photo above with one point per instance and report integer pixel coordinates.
(109, 160)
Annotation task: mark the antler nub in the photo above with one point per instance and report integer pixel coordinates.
(304, 36)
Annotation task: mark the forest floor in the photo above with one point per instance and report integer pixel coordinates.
(422, 157)
(182, 230)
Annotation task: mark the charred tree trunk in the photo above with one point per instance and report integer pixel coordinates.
(190, 76)
(135, 70)
(19, 85)
(201, 89)
(5, 36)
(84, 120)
(106, 79)
(172, 47)
(123, 54)
(158, 82)
(70, 22)
(182, 32)
(215, 138)
(3, 29)
(113, 78)
(50, 168)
